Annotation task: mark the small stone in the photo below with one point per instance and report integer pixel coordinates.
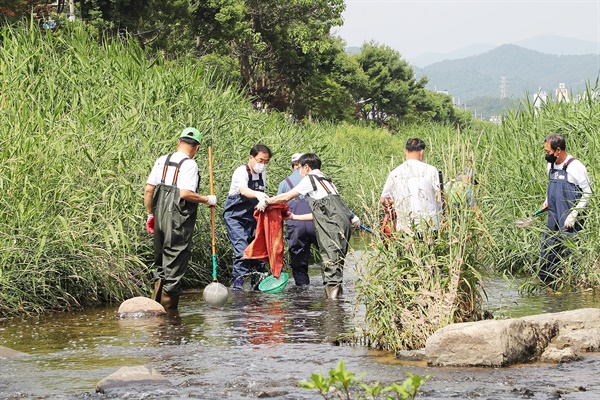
(5, 352)
(271, 393)
(139, 376)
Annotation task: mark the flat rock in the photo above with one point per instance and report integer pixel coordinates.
(498, 343)
(138, 376)
(5, 352)
(140, 307)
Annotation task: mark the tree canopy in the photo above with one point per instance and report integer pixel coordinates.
(281, 53)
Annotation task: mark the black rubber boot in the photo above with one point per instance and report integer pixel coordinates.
(168, 301)
(158, 284)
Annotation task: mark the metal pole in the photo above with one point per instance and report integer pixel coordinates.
(72, 10)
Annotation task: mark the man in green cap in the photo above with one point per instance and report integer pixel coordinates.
(172, 204)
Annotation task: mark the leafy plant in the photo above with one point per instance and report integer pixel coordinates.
(341, 384)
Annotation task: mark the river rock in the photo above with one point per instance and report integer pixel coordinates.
(495, 343)
(555, 355)
(138, 376)
(5, 352)
(140, 307)
(411, 355)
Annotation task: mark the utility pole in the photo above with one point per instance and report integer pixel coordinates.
(72, 10)
(503, 86)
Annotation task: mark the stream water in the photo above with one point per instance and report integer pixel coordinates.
(261, 344)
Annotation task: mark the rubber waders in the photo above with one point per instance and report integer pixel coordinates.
(169, 301)
(332, 292)
(158, 284)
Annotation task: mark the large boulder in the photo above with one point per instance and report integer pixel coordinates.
(496, 343)
(141, 377)
(140, 307)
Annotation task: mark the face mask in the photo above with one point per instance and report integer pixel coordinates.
(551, 158)
(259, 168)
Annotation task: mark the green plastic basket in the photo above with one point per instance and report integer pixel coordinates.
(273, 285)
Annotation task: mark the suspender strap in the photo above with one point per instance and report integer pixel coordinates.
(168, 164)
(312, 180)
(567, 163)
(177, 171)
(320, 179)
(289, 182)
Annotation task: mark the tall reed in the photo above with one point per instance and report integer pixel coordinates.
(413, 284)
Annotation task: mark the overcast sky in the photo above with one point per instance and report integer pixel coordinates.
(414, 27)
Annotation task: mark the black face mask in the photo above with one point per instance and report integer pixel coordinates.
(551, 158)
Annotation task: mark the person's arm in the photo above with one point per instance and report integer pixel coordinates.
(586, 189)
(194, 197)
(252, 194)
(148, 193)
(301, 217)
(283, 197)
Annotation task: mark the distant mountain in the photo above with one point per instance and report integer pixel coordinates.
(430, 58)
(548, 44)
(524, 71)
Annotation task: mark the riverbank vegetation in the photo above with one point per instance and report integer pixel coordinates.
(280, 55)
(345, 385)
(83, 123)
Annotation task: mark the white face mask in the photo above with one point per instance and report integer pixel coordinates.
(259, 168)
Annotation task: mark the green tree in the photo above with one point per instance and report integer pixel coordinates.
(392, 86)
(330, 91)
(279, 45)
(438, 107)
(157, 25)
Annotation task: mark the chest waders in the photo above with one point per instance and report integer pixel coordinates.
(173, 231)
(241, 227)
(299, 235)
(562, 197)
(331, 218)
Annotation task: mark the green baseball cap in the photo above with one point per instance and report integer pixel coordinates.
(191, 133)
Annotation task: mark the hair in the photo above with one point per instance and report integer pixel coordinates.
(297, 162)
(415, 144)
(260, 148)
(310, 159)
(189, 140)
(557, 141)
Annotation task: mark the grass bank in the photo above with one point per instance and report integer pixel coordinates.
(82, 126)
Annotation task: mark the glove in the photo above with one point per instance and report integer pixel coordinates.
(355, 222)
(150, 224)
(212, 200)
(570, 221)
(262, 205)
(260, 196)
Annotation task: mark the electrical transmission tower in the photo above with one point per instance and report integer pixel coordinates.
(503, 86)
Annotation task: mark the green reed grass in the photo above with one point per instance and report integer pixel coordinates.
(519, 186)
(82, 124)
(412, 285)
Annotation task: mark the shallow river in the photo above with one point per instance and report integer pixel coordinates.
(262, 343)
